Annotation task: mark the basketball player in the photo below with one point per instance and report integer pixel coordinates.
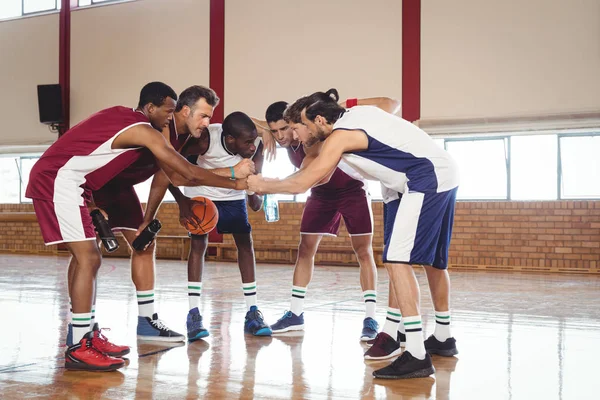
(419, 223)
(220, 146)
(344, 196)
(120, 202)
(83, 160)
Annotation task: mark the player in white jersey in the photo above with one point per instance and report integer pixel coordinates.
(418, 224)
(224, 146)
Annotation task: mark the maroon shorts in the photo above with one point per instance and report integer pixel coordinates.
(122, 206)
(323, 215)
(60, 222)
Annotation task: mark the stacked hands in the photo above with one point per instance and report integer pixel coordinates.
(245, 180)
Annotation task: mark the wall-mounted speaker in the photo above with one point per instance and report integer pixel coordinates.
(50, 104)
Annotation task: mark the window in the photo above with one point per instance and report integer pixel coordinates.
(533, 169)
(483, 167)
(9, 176)
(18, 8)
(580, 167)
(280, 168)
(35, 6)
(26, 166)
(143, 190)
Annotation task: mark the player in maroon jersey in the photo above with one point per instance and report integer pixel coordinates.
(343, 196)
(80, 162)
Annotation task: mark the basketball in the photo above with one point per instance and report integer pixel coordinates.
(207, 213)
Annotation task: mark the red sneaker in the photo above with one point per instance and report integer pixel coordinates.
(83, 356)
(101, 343)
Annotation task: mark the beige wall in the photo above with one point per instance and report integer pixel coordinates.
(280, 50)
(28, 57)
(490, 58)
(118, 48)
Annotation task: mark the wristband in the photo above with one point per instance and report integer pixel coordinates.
(232, 173)
(351, 103)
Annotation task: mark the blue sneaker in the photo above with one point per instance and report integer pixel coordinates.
(255, 324)
(195, 329)
(369, 331)
(153, 329)
(289, 322)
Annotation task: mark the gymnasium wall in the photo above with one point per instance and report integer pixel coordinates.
(509, 58)
(118, 48)
(556, 236)
(28, 57)
(281, 50)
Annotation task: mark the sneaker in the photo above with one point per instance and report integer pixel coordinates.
(405, 367)
(83, 356)
(155, 330)
(400, 338)
(255, 323)
(100, 342)
(369, 331)
(289, 322)
(383, 348)
(195, 329)
(446, 348)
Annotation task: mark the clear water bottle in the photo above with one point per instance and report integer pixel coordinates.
(271, 208)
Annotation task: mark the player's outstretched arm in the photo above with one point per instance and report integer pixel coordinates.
(333, 148)
(387, 104)
(145, 136)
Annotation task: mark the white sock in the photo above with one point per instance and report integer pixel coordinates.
(81, 325)
(392, 320)
(249, 294)
(93, 319)
(414, 336)
(194, 292)
(442, 326)
(370, 298)
(298, 293)
(145, 300)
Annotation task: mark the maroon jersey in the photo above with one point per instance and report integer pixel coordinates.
(145, 166)
(82, 160)
(340, 182)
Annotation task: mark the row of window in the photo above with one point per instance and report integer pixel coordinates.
(533, 167)
(18, 8)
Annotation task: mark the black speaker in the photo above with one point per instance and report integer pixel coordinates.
(50, 104)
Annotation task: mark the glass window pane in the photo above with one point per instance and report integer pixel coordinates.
(279, 168)
(533, 167)
(85, 2)
(26, 165)
(9, 180)
(580, 166)
(32, 6)
(10, 8)
(439, 142)
(143, 190)
(482, 166)
(100, 1)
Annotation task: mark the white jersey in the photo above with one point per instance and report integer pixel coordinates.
(400, 155)
(217, 156)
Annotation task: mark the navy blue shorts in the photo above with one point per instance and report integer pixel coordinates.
(418, 228)
(233, 217)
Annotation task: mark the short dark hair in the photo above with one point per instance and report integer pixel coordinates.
(156, 93)
(275, 111)
(328, 109)
(190, 96)
(237, 124)
(294, 112)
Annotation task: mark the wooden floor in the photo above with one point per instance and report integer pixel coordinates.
(520, 336)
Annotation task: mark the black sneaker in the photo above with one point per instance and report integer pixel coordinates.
(406, 367)
(153, 329)
(446, 348)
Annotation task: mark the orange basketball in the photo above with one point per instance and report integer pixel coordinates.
(207, 213)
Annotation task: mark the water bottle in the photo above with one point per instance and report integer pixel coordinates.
(271, 208)
(146, 235)
(104, 232)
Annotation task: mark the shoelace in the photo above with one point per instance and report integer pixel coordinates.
(287, 314)
(372, 324)
(158, 324)
(257, 315)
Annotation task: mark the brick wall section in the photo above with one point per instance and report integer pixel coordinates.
(558, 236)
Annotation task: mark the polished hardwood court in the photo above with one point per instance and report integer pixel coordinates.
(520, 336)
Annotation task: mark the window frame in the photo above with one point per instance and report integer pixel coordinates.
(594, 133)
